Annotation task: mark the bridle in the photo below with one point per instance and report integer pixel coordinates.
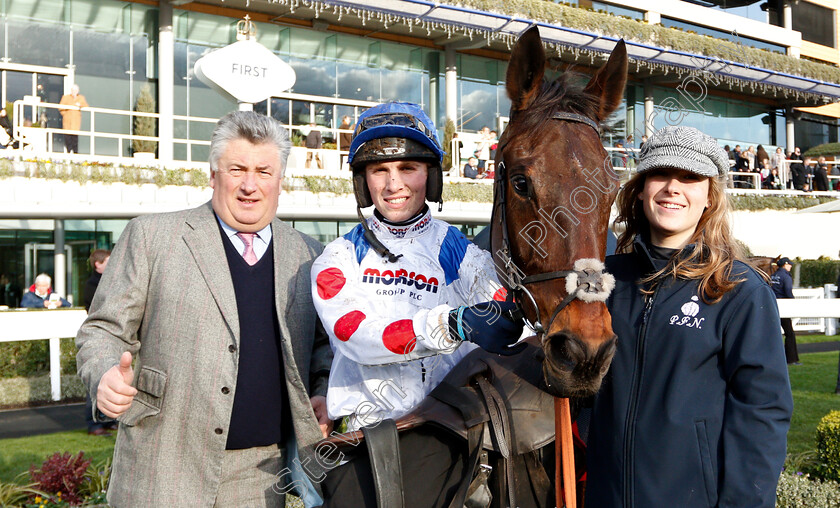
(587, 282)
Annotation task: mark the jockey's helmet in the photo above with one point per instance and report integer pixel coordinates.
(395, 131)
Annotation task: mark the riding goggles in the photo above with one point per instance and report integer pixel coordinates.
(397, 119)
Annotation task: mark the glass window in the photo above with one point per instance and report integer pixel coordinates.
(42, 10)
(105, 15)
(720, 34)
(815, 22)
(101, 54)
(38, 44)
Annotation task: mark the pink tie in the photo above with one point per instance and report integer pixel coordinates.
(248, 240)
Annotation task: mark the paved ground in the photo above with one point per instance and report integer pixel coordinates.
(49, 419)
(41, 420)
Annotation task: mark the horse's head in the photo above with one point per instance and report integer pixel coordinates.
(554, 190)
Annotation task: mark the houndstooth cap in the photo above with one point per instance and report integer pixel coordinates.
(684, 148)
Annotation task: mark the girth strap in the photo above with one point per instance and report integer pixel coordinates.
(383, 444)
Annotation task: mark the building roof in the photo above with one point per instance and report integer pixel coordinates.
(468, 28)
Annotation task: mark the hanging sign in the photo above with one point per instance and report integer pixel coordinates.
(246, 70)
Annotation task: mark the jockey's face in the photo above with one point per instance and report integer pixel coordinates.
(397, 188)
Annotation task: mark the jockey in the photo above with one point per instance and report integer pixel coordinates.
(401, 293)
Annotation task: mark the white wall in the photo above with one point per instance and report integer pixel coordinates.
(774, 232)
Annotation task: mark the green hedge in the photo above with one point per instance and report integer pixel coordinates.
(826, 149)
(32, 358)
(816, 273)
(828, 445)
(19, 391)
(757, 202)
(797, 490)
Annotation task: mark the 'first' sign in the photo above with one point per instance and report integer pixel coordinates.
(245, 70)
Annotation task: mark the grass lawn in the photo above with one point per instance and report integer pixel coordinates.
(16, 455)
(808, 339)
(813, 385)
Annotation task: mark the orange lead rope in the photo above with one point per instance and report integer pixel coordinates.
(564, 455)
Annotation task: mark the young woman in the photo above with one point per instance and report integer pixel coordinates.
(697, 403)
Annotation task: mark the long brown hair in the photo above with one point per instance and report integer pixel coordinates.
(715, 251)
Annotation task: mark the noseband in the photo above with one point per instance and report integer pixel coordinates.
(586, 281)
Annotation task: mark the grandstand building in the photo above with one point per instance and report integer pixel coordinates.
(747, 72)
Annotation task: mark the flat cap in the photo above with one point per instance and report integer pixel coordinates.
(783, 261)
(684, 148)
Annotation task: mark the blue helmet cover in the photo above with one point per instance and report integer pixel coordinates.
(397, 131)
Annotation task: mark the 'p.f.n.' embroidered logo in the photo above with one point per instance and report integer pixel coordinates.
(689, 317)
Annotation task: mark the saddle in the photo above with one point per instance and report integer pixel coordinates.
(496, 405)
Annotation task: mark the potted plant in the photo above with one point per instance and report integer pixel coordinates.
(144, 125)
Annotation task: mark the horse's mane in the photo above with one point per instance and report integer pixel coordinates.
(566, 93)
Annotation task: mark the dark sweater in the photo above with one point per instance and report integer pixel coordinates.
(260, 405)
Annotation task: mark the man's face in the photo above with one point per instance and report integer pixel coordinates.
(397, 188)
(796, 150)
(787, 266)
(246, 185)
(41, 288)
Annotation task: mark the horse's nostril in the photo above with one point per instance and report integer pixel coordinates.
(574, 351)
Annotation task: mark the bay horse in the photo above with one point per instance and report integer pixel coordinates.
(554, 187)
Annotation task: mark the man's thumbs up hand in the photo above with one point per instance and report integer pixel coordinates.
(115, 393)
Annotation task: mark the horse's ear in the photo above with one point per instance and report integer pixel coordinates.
(525, 70)
(608, 83)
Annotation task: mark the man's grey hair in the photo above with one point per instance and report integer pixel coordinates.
(253, 127)
(42, 278)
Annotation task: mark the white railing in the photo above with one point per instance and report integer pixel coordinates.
(42, 324)
(43, 139)
(812, 299)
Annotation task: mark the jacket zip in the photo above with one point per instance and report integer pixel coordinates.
(630, 424)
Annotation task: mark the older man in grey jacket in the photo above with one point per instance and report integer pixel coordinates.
(213, 305)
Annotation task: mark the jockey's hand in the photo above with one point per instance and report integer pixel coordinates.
(491, 325)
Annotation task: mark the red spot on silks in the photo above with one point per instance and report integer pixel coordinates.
(398, 337)
(500, 295)
(330, 282)
(348, 324)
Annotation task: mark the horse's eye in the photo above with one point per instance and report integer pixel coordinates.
(520, 184)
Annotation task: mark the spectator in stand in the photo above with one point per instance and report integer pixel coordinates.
(749, 155)
(71, 117)
(798, 174)
(619, 155)
(482, 149)
(779, 162)
(313, 145)
(728, 153)
(632, 156)
(773, 181)
(835, 184)
(6, 132)
(644, 140)
(42, 295)
(782, 285)
(761, 154)
(821, 175)
(345, 138)
(494, 144)
(471, 169)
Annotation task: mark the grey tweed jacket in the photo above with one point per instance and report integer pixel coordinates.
(167, 296)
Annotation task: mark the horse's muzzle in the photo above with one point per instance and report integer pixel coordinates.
(571, 368)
